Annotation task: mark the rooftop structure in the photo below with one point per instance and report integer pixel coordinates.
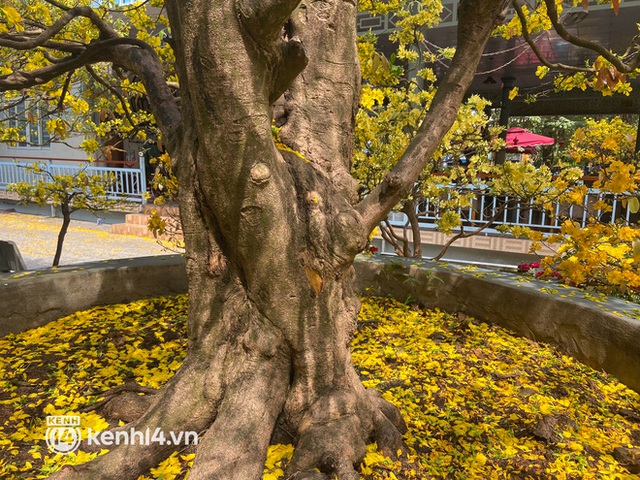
(512, 63)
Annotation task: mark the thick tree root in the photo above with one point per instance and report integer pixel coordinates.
(234, 393)
(127, 407)
(331, 436)
(178, 407)
(245, 419)
(335, 430)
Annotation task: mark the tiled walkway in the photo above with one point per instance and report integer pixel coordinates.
(36, 238)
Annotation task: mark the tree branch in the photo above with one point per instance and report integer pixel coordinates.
(113, 90)
(293, 61)
(10, 105)
(622, 67)
(476, 22)
(409, 209)
(95, 52)
(400, 238)
(65, 89)
(463, 234)
(136, 6)
(142, 61)
(527, 36)
(58, 5)
(399, 244)
(265, 17)
(147, 66)
(21, 43)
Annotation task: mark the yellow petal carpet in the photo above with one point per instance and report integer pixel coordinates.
(480, 403)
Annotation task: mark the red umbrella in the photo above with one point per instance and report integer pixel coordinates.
(521, 140)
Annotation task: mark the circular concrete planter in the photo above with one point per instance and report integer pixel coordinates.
(32, 299)
(603, 334)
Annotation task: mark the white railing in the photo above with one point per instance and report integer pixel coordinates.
(490, 208)
(129, 185)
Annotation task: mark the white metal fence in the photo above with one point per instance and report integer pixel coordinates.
(487, 207)
(130, 183)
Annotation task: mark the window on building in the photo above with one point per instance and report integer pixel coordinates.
(31, 127)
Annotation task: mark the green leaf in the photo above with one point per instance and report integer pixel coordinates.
(634, 205)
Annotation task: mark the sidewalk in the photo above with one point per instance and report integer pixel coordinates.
(36, 238)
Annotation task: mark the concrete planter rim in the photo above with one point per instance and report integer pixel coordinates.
(602, 334)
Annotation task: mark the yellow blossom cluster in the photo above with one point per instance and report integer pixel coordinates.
(601, 256)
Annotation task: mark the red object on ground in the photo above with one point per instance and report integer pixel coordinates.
(521, 140)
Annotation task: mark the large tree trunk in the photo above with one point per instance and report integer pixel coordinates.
(270, 238)
(274, 230)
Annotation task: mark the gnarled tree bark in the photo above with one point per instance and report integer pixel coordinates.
(271, 237)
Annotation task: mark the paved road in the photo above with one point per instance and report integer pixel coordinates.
(36, 238)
